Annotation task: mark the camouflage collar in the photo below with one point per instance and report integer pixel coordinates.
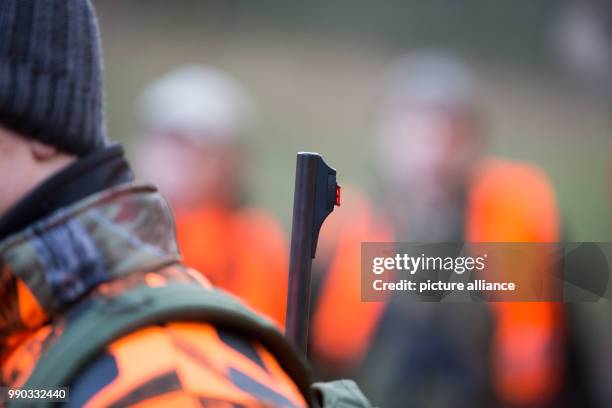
(107, 235)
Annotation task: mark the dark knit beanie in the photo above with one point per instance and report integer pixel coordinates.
(51, 73)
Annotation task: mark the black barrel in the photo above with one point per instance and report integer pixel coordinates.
(316, 193)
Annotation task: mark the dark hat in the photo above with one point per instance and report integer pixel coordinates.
(51, 73)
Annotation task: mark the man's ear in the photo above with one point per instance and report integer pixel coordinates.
(41, 152)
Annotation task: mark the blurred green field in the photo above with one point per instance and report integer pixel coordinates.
(318, 91)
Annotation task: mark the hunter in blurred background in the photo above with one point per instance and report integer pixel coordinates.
(195, 123)
(437, 185)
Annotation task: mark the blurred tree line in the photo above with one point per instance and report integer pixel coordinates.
(516, 30)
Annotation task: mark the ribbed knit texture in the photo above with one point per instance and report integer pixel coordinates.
(51, 73)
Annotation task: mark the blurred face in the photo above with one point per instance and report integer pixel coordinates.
(189, 174)
(428, 150)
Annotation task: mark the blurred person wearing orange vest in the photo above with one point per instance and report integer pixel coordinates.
(438, 186)
(194, 121)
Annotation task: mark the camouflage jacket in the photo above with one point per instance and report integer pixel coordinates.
(102, 246)
(108, 245)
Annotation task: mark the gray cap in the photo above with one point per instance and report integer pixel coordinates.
(433, 79)
(199, 102)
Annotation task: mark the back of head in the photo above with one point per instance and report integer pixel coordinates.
(51, 73)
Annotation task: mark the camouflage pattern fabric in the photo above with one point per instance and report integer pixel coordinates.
(103, 246)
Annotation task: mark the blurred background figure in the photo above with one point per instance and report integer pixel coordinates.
(437, 185)
(195, 123)
(583, 44)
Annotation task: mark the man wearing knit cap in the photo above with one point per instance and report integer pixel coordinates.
(93, 295)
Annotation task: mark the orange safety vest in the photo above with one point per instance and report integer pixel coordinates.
(511, 202)
(242, 251)
(343, 326)
(179, 363)
(507, 202)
